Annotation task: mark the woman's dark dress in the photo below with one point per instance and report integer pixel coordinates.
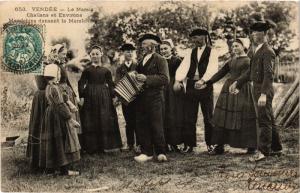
(100, 129)
(173, 107)
(56, 135)
(235, 117)
(38, 108)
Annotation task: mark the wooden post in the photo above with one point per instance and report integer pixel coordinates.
(290, 109)
(286, 97)
(292, 116)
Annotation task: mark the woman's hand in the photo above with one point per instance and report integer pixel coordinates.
(233, 89)
(200, 84)
(177, 86)
(73, 123)
(72, 107)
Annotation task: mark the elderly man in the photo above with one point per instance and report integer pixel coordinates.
(198, 65)
(153, 71)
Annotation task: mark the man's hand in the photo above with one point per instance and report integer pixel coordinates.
(141, 77)
(81, 102)
(177, 86)
(232, 87)
(262, 100)
(115, 101)
(236, 91)
(200, 84)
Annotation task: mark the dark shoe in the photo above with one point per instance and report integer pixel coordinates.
(210, 148)
(49, 171)
(276, 153)
(187, 149)
(131, 147)
(251, 151)
(137, 149)
(174, 148)
(218, 150)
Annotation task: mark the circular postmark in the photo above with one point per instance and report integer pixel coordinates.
(23, 48)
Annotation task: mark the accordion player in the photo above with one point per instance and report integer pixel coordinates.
(128, 88)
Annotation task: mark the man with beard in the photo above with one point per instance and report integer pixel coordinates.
(153, 71)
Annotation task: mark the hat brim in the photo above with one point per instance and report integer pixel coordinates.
(199, 32)
(150, 37)
(260, 26)
(128, 47)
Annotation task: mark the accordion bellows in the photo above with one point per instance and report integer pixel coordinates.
(128, 88)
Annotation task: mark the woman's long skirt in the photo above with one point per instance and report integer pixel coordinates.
(174, 113)
(53, 151)
(100, 129)
(235, 118)
(38, 108)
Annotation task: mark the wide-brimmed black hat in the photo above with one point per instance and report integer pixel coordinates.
(150, 37)
(127, 46)
(263, 26)
(201, 32)
(260, 26)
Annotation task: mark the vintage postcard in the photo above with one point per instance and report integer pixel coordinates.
(149, 96)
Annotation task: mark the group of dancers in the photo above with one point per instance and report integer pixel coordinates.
(164, 115)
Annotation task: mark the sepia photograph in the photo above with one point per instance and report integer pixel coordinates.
(149, 96)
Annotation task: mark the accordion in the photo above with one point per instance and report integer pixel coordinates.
(128, 88)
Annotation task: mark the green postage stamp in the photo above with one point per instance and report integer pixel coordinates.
(23, 48)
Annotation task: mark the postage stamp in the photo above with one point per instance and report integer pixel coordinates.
(23, 48)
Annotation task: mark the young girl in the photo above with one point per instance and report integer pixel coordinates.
(59, 142)
(100, 129)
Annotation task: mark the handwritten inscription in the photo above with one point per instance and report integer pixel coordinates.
(260, 179)
(252, 180)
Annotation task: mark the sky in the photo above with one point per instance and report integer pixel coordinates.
(77, 33)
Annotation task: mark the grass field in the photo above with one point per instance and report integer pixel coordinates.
(118, 172)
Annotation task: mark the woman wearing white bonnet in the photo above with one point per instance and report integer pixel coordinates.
(59, 54)
(59, 144)
(234, 116)
(173, 119)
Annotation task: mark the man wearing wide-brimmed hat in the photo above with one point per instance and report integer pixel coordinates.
(261, 74)
(198, 65)
(153, 71)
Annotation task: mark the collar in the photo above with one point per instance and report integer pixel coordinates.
(258, 47)
(95, 65)
(128, 63)
(148, 55)
(242, 55)
(168, 58)
(201, 48)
